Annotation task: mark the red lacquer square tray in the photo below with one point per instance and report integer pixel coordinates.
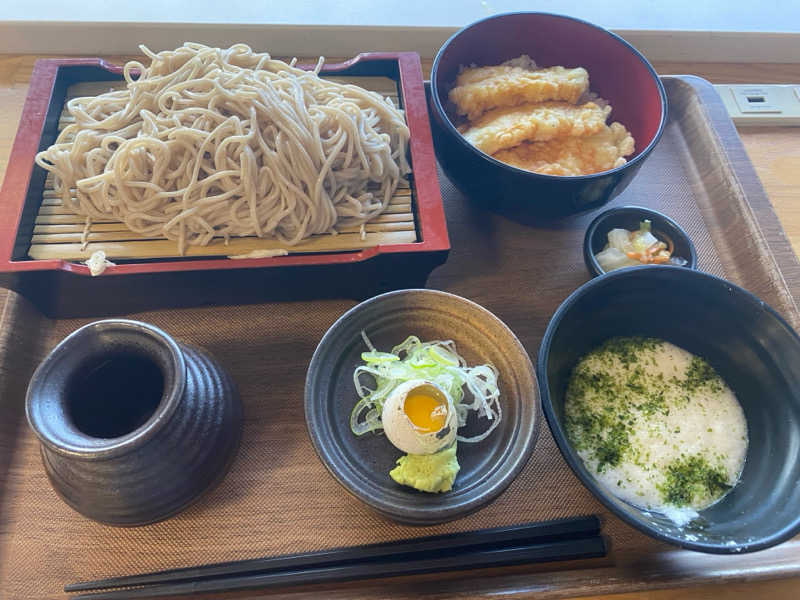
(60, 287)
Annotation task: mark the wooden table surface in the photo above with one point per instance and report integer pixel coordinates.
(774, 151)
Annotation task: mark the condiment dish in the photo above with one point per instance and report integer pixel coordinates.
(630, 217)
(753, 349)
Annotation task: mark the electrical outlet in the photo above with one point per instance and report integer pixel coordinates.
(762, 104)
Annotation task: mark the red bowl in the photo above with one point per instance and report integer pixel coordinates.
(617, 72)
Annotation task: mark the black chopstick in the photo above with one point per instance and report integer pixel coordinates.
(587, 547)
(557, 530)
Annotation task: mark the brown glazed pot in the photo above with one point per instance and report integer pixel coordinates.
(134, 425)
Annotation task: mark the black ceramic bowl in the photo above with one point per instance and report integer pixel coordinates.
(629, 217)
(617, 72)
(749, 345)
(362, 464)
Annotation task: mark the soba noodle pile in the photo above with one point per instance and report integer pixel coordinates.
(208, 143)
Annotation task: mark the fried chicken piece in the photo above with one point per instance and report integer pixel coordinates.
(573, 155)
(480, 89)
(503, 128)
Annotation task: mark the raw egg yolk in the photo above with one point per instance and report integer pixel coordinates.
(426, 413)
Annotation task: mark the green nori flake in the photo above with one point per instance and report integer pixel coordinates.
(606, 440)
(636, 380)
(688, 480)
(654, 403)
(700, 374)
(628, 349)
(584, 380)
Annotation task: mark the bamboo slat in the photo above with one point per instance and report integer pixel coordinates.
(58, 232)
(123, 234)
(147, 249)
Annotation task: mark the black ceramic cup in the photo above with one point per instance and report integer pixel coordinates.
(752, 348)
(133, 425)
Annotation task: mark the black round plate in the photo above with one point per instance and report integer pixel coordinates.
(362, 464)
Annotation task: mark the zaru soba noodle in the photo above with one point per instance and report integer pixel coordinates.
(209, 143)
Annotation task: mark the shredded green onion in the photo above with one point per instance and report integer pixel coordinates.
(437, 362)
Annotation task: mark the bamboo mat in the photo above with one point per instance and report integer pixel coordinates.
(57, 232)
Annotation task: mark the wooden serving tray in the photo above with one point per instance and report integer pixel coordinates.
(278, 498)
(42, 257)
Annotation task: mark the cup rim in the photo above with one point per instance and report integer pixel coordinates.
(78, 443)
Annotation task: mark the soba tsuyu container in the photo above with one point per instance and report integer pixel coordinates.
(134, 426)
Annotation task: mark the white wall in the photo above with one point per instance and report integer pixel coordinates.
(665, 30)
